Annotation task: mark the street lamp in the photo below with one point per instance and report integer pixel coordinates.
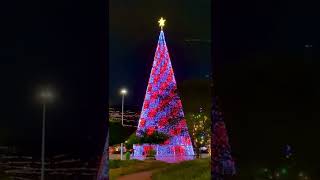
(46, 96)
(123, 92)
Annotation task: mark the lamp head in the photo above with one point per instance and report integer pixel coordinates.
(46, 95)
(123, 91)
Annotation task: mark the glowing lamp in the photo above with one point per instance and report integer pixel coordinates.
(123, 91)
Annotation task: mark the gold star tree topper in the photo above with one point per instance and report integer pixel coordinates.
(161, 22)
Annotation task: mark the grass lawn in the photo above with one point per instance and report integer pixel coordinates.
(189, 170)
(120, 168)
(3, 177)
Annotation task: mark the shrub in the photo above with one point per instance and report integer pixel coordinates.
(154, 138)
(133, 139)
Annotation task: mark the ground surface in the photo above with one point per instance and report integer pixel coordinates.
(122, 168)
(145, 175)
(155, 170)
(198, 169)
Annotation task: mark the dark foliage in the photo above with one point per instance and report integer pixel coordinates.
(154, 138)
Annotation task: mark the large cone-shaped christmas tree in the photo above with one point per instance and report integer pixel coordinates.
(103, 173)
(221, 159)
(162, 110)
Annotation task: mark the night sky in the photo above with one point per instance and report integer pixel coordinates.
(266, 78)
(64, 45)
(133, 40)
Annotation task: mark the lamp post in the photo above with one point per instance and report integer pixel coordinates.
(123, 93)
(46, 96)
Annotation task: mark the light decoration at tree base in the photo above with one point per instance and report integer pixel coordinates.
(167, 153)
(162, 111)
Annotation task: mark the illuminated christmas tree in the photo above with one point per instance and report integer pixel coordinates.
(198, 124)
(221, 159)
(103, 173)
(162, 110)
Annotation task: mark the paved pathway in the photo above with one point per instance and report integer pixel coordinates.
(145, 175)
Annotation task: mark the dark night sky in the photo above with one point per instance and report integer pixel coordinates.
(134, 35)
(266, 79)
(63, 44)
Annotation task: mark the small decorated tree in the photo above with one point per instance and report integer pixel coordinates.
(199, 128)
